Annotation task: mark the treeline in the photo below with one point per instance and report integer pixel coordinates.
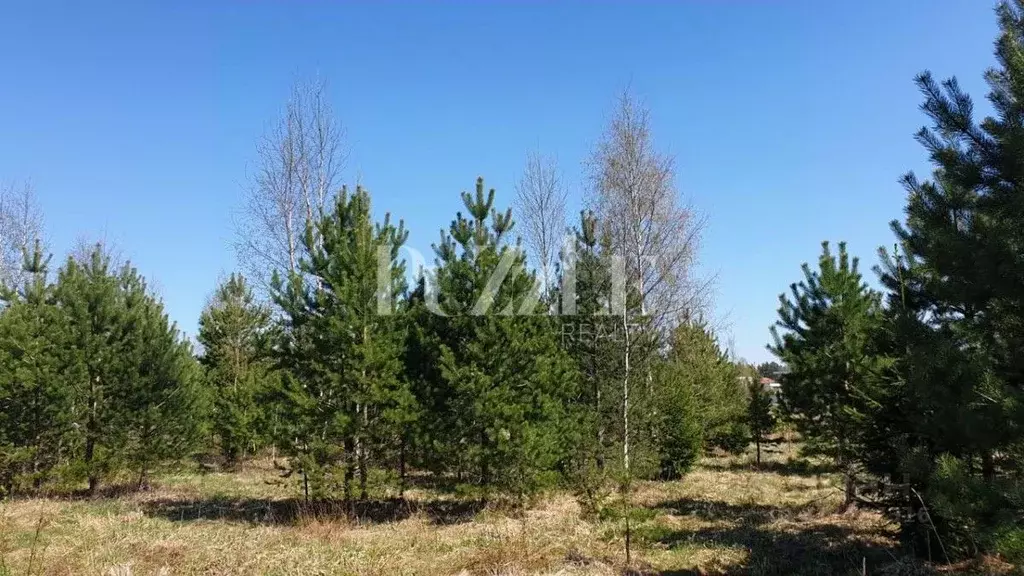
(501, 398)
(917, 390)
(499, 375)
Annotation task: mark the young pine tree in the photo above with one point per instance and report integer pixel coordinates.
(348, 400)
(760, 416)
(956, 325)
(425, 439)
(89, 293)
(233, 331)
(132, 377)
(696, 366)
(35, 407)
(966, 226)
(679, 426)
(825, 335)
(162, 406)
(588, 335)
(503, 378)
(933, 402)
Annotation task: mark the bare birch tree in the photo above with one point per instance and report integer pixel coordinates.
(297, 172)
(654, 239)
(637, 202)
(540, 211)
(21, 224)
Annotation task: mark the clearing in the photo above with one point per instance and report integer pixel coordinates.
(723, 518)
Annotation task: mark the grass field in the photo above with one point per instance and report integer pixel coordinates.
(723, 518)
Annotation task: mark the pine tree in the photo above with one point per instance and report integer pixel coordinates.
(696, 375)
(34, 399)
(930, 404)
(825, 334)
(956, 314)
(132, 377)
(89, 294)
(965, 226)
(760, 418)
(348, 399)
(425, 438)
(162, 409)
(233, 331)
(697, 399)
(588, 334)
(503, 377)
(679, 425)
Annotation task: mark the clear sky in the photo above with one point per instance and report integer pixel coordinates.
(791, 121)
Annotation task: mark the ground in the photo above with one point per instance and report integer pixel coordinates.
(725, 517)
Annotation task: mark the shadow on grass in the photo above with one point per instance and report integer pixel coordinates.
(820, 550)
(103, 492)
(750, 514)
(795, 548)
(287, 512)
(795, 467)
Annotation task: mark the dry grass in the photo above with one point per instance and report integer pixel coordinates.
(723, 518)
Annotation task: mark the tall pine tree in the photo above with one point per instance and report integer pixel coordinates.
(588, 334)
(132, 377)
(89, 293)
(161, 404)
(826, 336)
(348, 400)
(956, 314)
(503, 377)
(35, 406)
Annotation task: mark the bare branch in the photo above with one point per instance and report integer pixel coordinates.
(21, 224)
(634, 193)
(297, 173)
(540, 209)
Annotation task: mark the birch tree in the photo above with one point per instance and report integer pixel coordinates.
(21, 224)
(540, 207)
(296, 176)
(654, 239)
(652, 230)
(653, 235)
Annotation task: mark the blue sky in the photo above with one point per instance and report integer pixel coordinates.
(790, 121)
